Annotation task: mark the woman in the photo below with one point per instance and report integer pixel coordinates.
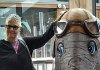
(14, 54)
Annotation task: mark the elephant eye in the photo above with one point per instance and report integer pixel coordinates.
(60, 49)
(92, 47)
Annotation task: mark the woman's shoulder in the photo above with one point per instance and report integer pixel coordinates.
(3, 41)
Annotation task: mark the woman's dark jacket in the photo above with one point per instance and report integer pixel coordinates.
(10, 60)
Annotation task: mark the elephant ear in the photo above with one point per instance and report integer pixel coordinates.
(54, 52)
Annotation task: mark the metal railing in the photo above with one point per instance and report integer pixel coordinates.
(47, 63)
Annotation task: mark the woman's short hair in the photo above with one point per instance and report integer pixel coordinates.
(14, 18)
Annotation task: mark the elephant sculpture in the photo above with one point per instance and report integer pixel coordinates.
(76, 45)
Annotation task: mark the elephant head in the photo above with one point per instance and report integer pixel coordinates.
(76, 45)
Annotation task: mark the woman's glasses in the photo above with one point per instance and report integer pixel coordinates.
(12, 26)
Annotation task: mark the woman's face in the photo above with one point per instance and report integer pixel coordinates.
(12, 29)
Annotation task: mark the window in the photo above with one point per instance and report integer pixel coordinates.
(35, 22)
